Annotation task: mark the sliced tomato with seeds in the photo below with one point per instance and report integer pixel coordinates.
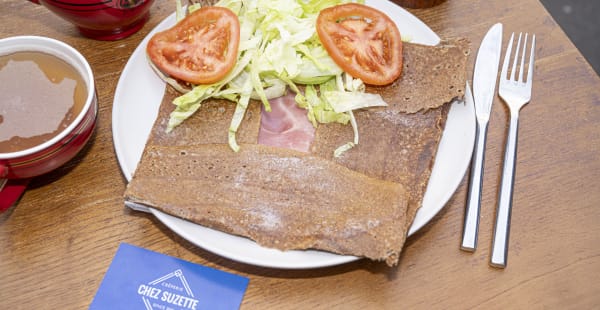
(363, 41)
(200, 49)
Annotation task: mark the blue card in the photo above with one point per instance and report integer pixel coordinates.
(142, 279)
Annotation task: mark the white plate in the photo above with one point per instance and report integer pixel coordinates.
(135, 107)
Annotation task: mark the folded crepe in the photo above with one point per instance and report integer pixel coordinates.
(361, 203)
(280, 198)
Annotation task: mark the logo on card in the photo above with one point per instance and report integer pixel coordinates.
(168, 292)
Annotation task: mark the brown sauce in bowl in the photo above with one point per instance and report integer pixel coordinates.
(40, 96)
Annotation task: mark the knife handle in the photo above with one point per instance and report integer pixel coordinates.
(473, 207)
(502, 227)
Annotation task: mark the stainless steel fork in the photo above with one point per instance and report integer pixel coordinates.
(516, 92)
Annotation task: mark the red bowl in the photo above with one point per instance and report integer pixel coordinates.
(102, 19)
(55, 152)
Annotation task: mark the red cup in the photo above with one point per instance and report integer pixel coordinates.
(17, 167)
(102, 19)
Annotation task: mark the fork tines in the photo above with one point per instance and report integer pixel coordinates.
(507, 57)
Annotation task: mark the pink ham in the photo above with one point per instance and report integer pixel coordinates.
(286, 126)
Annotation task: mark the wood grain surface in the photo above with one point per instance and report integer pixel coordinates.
(58, 241)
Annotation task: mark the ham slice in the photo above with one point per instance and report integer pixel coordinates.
(286, 126)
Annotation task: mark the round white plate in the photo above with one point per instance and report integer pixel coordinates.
(139, 94)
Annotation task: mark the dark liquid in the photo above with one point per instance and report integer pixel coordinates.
(40, 95)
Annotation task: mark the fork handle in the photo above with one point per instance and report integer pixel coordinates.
(473, 207)
(502, 227)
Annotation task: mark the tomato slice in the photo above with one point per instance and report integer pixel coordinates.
(363, 41)
(201, 49)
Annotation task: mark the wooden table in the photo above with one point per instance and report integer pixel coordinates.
(58, 241)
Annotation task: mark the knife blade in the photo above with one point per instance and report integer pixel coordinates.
(484, 89)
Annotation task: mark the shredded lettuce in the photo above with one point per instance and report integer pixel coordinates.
(181, 11)
(345, 147)
(280, 49)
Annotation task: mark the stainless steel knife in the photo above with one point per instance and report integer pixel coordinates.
(484, 90)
